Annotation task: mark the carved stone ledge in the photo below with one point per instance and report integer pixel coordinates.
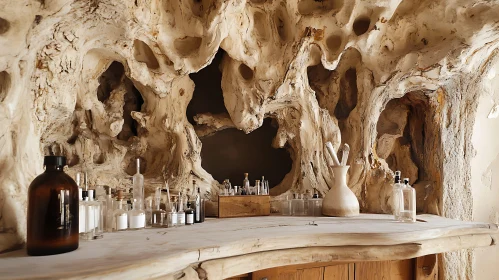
(221, 248)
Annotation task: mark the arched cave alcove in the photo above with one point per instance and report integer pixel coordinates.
(229, 153)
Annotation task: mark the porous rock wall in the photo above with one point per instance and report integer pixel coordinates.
(105, 81)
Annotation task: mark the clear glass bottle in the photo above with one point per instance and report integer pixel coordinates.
(263, 190)
(81, 211)
(189, 215)
(120, 216)
(258, 187)
(246, 182)
(199, 205)
(52, 217)
(96, 212)
(136, 216)
(158, 215)
(286, 207)
(397, 196)
(408, 207)
(149, 210)
(88, 233)
(297, 205)
(180, 211)
(138, 187)
(172, 218)
(110, 205)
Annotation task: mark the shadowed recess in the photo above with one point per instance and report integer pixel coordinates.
(4, 84)
(229, 153)
(316, 7)
(187, 46)
(110, 80)
(361, 25)
(143, 53)
(208, 95)
(348, 94)
(4, 26)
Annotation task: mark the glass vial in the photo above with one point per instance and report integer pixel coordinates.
(408, 208)
(297, 205)
(189, 215)
(149, 219)
(286, 207)
(158, 215)
(138, 187)
(52, 224)
(397, 196)
(199, 202)
(172, 218)
(120, 216)
(136, 216)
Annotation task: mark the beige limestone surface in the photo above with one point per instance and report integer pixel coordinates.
(398, 80)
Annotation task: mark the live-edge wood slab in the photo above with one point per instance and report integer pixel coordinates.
(221, 248)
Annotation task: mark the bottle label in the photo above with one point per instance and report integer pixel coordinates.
(190, 219)
(138, 221)
(173, 219)
(121, 222)
(90, 218)
(181, 219)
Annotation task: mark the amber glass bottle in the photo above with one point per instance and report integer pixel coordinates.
(52, 211)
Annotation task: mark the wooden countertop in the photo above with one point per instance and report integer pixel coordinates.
(221, 248)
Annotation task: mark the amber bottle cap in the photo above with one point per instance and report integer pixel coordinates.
(54, 160)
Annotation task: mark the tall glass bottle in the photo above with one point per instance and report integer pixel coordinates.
(397, 196)
(81, 211)
(408, 208)
(258, 188)
(180, 212)
(199, 206)
(110, 203)
(52, 224)
(96, 212)
(158, 215)
(120, 216)
(138, 187)
(136, 216)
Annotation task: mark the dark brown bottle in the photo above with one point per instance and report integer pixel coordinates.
(52, 211)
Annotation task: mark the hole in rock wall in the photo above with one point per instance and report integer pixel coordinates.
(229, 153)
(133, 102)
(4, 26)
(348, 94)
(282, 25)
(208, 95)
(260, 23)
(187, 45)
(333, 43)
(316, 7)
(143, 53)
(361, 25)
(401, 139)
(110, 80)
(4, 85)
(245, 72)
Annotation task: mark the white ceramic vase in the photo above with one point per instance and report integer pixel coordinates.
(340, 201)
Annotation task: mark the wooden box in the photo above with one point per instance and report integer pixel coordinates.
(243, 206)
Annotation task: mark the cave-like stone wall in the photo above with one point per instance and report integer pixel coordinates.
(106, 81)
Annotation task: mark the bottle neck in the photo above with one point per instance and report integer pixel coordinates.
(52, 168)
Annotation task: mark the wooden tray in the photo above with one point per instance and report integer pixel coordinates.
(243, 206)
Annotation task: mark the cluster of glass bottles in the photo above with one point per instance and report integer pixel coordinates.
(302, 205)
(260, 187)
(108, 214)
(404, 200)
